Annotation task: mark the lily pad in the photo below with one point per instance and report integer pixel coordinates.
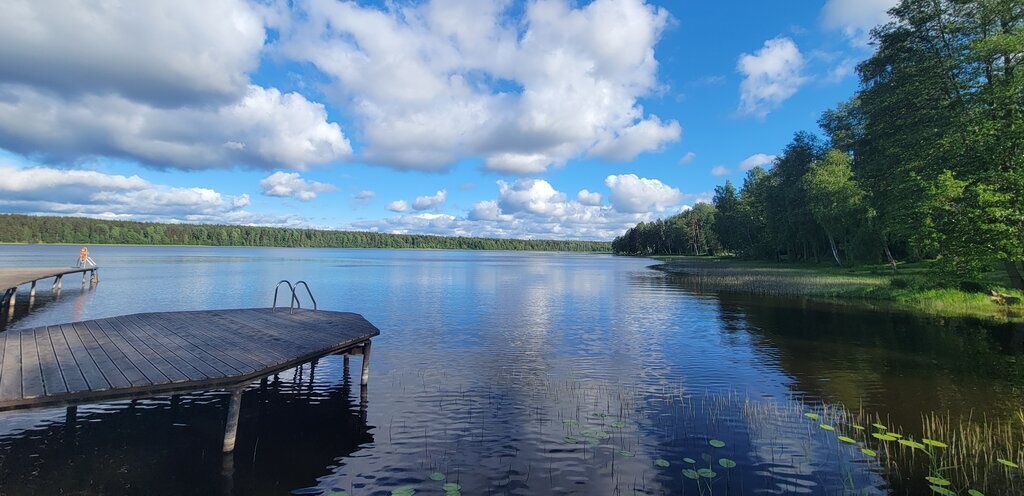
(932, 442)
(847, 440)
(880, 427)
(706, 473)
(661, 462)
(627, 453)
(895, 435)
(403, 491)
(451, 486)
(691, 473)
(437, 476)
(827, 427)
(868, 452)
(569, 421)
(882, 437)
(338, 493)
(1008, 463)
(689, 460)
(812, 416)
(717, 443)
(858, 427)
(571, 440)
(941, 490)
(912, 444)
(726, 463)
(938, 481)
(975, 492)
(618, 424)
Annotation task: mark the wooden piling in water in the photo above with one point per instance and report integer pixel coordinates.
(231, 428)
(366, 365)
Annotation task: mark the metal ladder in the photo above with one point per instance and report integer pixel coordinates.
(294, 303)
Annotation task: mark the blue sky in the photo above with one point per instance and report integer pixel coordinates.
(543, 119)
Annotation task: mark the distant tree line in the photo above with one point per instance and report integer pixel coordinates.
(925, 162)
(39, 229)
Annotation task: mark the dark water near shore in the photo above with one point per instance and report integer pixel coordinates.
(509, 373)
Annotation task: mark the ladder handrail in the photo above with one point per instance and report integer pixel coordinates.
(294, 303)
(291, 289)
(310, 293)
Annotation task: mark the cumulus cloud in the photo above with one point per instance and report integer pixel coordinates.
(434, 82)
(856, 18)
(770, 76)
(398, 206)
(153, 82)
(291, 185)
(533, 208)
(47, 190)
(634, 194)
(588, 198)
(719, 170)
(757, 160)
(431, 201)
(688, 158)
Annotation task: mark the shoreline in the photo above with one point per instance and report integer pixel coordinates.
(862, 286)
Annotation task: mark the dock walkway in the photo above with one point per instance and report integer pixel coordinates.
(12, 277)
(148, 354)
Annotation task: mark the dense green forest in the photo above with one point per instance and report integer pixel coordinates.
(924, 163)
(79, 230)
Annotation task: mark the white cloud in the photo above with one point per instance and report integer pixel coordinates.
(637, 195)
(856, 18)
(156, 51)
(435, 82)
(719, 170)
(290, 184)
(154, 82)
(588, 198)
(771, 76)
(46, 190)
(398, 206)
(264, 129)
(364, 195)
(688, 158)
(647, 135)
(757, 160)
(432, 201)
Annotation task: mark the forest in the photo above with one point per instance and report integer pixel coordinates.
(80, 230)
(924, 163)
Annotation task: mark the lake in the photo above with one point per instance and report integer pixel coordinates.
(506, 373)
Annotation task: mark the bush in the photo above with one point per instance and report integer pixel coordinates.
(972, 287)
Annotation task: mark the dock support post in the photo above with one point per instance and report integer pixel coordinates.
(32, 292)
(57, 283)
(71, 416)
(83, 277)
(95, 276)
(10, 303)
(366, 365)
(231, 429)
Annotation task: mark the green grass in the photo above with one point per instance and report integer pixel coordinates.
(911, 288)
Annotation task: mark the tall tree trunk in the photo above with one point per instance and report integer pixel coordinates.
(1016, 274)
(888, 256)
(835, 252)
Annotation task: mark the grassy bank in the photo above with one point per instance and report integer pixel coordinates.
(909, 289)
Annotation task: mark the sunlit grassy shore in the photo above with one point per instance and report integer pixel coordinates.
(908, 289)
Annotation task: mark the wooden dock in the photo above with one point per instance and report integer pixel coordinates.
(12, 277)
(149, 354)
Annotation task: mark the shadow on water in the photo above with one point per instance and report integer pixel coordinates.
(293, 428)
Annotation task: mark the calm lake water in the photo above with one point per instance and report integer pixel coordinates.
(508, 373)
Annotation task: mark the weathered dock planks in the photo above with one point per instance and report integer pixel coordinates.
(152, 353)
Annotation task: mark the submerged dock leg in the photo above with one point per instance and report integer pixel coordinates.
(95, 276)
(10, 303)
(366, 365)
(231, 429)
